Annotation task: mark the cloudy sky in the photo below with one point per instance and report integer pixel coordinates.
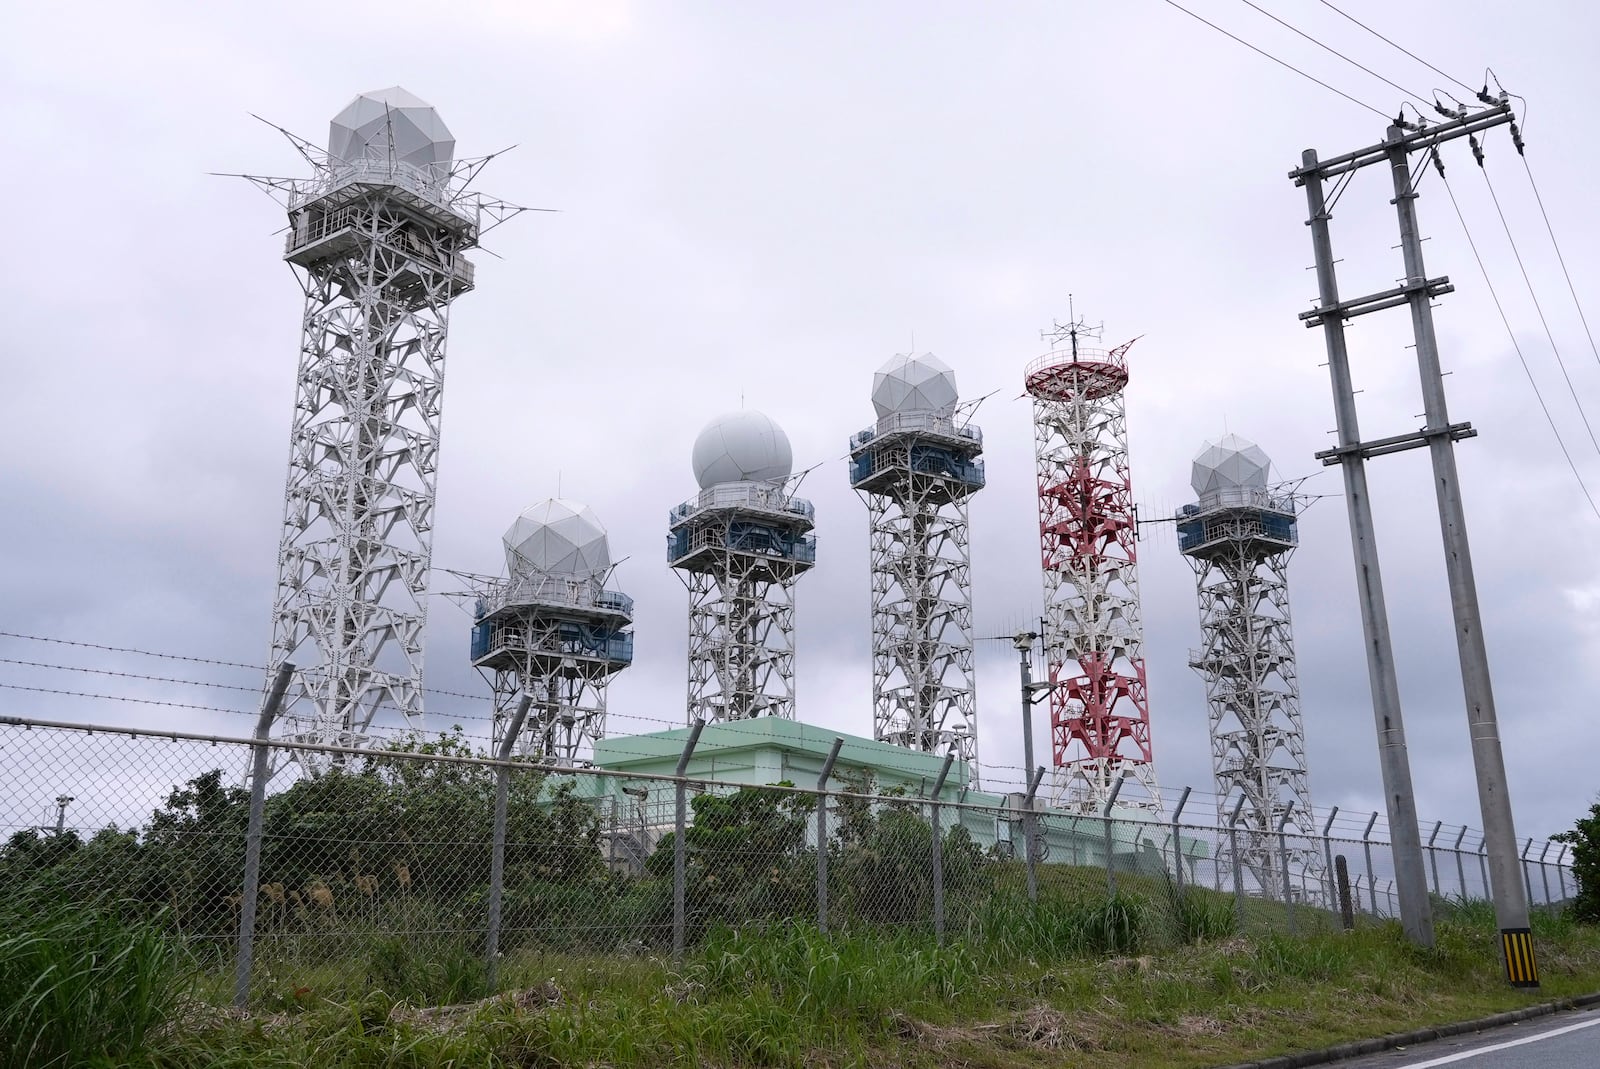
(758, 205)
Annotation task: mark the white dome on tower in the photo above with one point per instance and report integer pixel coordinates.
(743, 446)
(1230, 463)
(557, 537)
(384, 120)
(912, 382)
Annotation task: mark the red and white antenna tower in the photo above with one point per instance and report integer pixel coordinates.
(1094, 642)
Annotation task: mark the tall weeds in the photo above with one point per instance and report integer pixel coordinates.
(82, 987)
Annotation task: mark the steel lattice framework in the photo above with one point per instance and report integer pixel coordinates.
(1094, 645)
(916, 472)
(739, 549)
(378, 235)
(1239, 540)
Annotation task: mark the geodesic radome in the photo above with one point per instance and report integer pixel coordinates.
(364, 129)
(1230, 463)
(743, 446)
(557, 537)
(912, 382)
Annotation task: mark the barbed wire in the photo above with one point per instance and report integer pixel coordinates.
(127, 649)
(124, 698)
(134, 675)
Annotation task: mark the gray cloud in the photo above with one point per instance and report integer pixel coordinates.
(766, 204)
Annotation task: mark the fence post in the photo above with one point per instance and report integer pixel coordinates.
(1238, 867)
(1030, 835)
(1561, 873)
(680, 818)
(1461, 871)
(261, 753)
(1105, 818)
(1483, 864)
(1327, 856)
(1389, 894)
(1544, 873)
(1177, 841)
(1527, 878)
(1283, 859)
(497, 849)
(1372, 880)
(938, 853)
(822, 834)
(1341, 875)
(1433, 858)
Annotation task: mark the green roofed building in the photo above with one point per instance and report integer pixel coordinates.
(771, 750)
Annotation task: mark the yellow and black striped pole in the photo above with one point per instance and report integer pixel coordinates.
(1521, 969)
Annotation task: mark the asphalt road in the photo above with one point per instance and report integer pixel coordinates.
(1563, 1041)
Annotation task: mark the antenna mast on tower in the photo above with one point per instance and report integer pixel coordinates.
(1094, 642)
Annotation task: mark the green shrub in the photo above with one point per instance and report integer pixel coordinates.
(1584, 838)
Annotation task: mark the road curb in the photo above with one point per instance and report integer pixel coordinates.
(1341, 1051)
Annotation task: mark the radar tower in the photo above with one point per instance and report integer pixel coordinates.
(739, 547)
(1239, 538)
(378, 234)
(916, 469)
(552, 631)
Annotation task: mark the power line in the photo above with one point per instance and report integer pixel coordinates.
(1275, 59)
(1561, 259)
(1511, 334)
(1415, 97)
(1386, 41)
(1537, 307)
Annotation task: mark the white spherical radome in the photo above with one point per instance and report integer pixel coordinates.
(1230, 463)
(375, 123)
(914, 382)
(557, 537)
(743, 446)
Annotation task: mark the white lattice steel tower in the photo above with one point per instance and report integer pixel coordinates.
(1239, 538)
(739, 547)
(378, 233)
(1094, 642)
(551, 630)
(916, 468)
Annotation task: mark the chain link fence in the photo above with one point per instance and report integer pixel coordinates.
(436, 873)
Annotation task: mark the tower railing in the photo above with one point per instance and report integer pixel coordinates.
(422, 182)
(1266, 498)
(766, 497)
(940, 423)
(558, 591)
(1057, 357)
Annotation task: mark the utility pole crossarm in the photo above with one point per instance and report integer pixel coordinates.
(1428, 136)
(1377, 302)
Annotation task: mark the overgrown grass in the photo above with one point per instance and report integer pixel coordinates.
(82, 986)
(1073, 981)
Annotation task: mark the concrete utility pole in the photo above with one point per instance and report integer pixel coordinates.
(1416, 914)
(1439, 435)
